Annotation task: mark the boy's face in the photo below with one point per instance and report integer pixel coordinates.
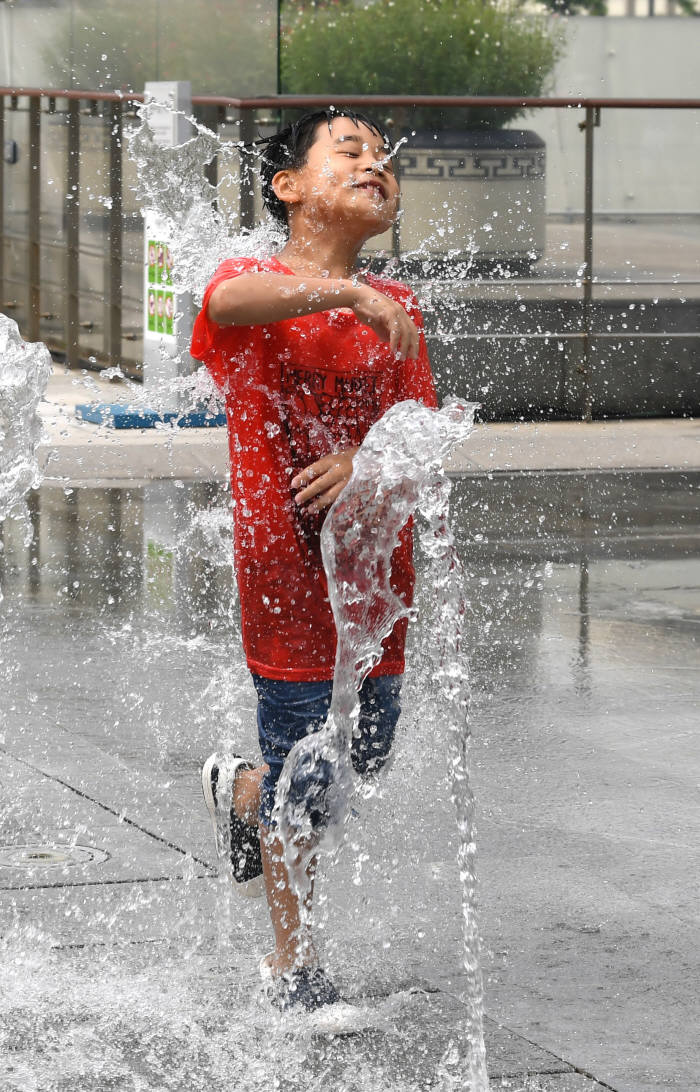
(348, 179)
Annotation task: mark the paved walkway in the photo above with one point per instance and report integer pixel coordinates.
(132, 969)
(79, 452)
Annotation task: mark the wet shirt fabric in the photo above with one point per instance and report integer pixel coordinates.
(297, 390)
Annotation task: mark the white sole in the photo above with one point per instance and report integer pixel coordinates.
(342, 1018)
(249, 889)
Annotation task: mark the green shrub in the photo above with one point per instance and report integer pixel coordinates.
(422, 47)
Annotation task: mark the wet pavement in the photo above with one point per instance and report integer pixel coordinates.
(129, 964)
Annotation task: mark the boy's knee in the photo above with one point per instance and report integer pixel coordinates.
(309, 799)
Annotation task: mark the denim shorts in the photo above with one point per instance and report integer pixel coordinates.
(288, 711)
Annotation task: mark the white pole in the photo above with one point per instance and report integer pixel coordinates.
(165, 336)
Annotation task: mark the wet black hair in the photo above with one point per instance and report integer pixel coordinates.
(288, 149)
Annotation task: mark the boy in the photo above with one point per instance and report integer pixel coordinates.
(309, 354)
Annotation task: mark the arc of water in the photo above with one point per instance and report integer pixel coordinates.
(397, 472)
(24, 373)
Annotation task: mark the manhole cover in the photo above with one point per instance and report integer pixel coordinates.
(51, 856)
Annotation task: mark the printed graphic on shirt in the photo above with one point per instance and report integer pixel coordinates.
(325, 410)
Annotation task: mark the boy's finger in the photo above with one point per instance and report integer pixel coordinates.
(308, 474)
(335, 475)
(312, 490)
(326, 499)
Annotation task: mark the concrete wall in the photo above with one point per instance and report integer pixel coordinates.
(528, 376)
(646, 160)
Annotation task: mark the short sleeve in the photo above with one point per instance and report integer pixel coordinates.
(217, 346)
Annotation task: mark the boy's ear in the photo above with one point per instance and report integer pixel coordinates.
(284, 184)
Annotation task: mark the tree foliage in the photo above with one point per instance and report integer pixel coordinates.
(422, 47)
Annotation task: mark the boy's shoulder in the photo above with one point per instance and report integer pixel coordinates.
(244, 264)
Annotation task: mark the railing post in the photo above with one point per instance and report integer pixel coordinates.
(591, 122)
(396, 226)
(113, 257)
(212, 117)
(247, 198)
(167, 321)
(72, 221)
(34, 225)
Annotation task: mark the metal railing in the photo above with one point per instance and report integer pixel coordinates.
(216, 112)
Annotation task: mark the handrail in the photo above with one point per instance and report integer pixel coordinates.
(213, 109)
(444, 100)
(291, 101)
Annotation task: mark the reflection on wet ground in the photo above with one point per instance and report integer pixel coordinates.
(120, 670)
(165, 546)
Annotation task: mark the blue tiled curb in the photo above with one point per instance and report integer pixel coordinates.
(115, 415)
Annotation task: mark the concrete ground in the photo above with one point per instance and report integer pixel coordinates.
(128, 965)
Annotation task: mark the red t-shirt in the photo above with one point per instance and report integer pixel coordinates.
(297, 390)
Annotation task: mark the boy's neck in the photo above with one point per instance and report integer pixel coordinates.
(320, 255)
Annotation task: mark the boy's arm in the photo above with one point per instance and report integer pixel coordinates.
(253, 299)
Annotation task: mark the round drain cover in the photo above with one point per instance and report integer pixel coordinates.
(50, 856)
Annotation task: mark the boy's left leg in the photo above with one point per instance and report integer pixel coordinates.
(370, 750)
(287, 713)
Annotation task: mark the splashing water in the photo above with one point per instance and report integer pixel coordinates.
(24, 373)
(171, 181)
(397, 472)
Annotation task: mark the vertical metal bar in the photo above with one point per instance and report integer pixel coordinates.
(34, 225)
(592, 119)
(72, 221)
(279, 47)
(396, 226)
(211, 116)
(114, 254)
(247, 199)
(2, 201)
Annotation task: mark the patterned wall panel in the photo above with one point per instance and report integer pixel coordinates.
(496, 165)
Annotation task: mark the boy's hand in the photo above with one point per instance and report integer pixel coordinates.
(323, 481)
(388, 320)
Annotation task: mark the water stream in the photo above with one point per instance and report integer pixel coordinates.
(23, 377)
(398, 473)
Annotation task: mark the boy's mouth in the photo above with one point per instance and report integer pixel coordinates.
(371, 184)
